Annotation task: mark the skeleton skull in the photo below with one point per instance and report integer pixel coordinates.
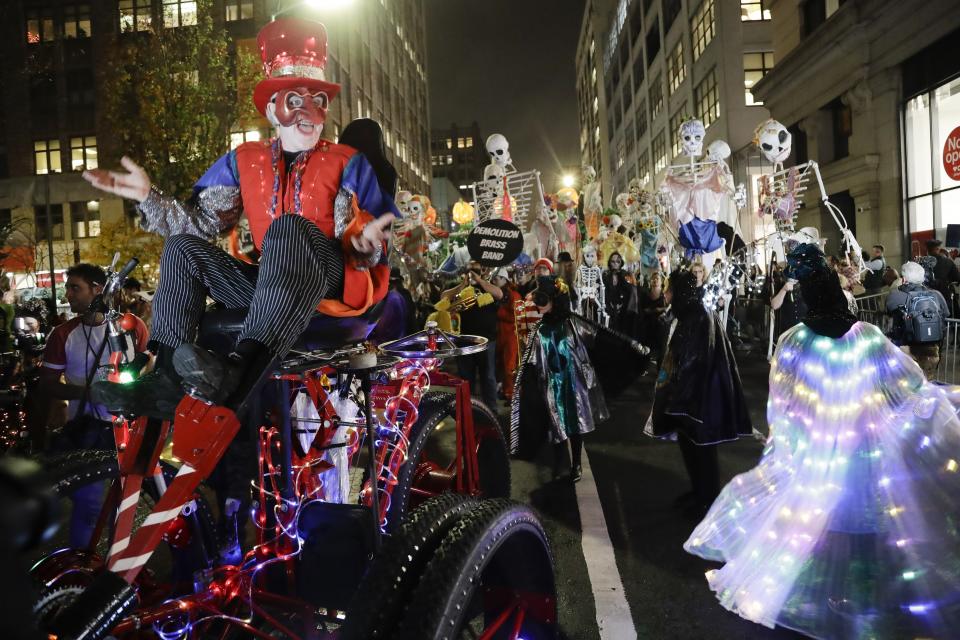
(774, 141)
(589, 255)
(615, 221)
(622, 200)
(493, 172)
(691, 137)
(415, 209)
(403, 201)
(499, 150)
(589, 173)
(718, 151)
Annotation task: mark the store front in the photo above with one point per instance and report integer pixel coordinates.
(931, 155)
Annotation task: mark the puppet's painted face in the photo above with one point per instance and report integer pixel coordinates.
(299, 116)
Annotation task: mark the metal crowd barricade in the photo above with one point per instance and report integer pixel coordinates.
(947, 370)
(873, 309)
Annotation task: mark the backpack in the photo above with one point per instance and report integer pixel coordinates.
(922, 320)
(874, 279)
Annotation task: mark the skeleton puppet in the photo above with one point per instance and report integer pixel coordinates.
(591, 301)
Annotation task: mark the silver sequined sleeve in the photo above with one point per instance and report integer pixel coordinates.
(217, 209)
(342, 214)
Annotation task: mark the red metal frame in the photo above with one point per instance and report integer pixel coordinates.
(201, 434)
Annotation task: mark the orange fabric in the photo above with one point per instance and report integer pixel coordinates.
(320, 183)
(508, 352)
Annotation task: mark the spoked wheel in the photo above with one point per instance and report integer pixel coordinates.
(431, 466)
(491, 578)
(63, 574)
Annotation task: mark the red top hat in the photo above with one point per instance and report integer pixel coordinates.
(294, 54)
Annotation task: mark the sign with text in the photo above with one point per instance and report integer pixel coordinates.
(495, 243)
(951, 155)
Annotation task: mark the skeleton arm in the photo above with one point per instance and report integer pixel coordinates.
(849, 240)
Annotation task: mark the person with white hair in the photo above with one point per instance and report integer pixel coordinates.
(919, 315)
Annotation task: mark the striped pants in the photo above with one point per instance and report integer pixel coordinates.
(299, 267)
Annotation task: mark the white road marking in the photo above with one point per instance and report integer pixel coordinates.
(613, 612)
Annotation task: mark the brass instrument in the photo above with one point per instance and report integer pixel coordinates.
(447, 314)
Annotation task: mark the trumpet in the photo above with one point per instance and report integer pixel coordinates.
(447, 312)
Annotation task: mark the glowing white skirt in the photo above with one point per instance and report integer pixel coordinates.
(849, 527)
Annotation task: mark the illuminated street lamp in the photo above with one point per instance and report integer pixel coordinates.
(568, 180)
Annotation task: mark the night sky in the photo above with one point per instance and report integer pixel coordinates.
(509, 65)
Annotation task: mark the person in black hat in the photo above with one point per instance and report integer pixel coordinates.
(945, 272)
(567, 270)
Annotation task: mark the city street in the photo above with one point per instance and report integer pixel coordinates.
(637, 479)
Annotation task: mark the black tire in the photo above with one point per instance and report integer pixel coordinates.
(386, 588)
(498, 548)
(492, 456)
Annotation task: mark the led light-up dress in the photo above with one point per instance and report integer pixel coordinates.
(849, 527)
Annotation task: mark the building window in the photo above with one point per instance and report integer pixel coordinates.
(46, 155)
(628, 138)
(702, 28)
(81, 91)
(676, 120)
(43, 95)
(40, 222)
(179, 13)
(643, 168)
(755, 66)
(85, 219)
(638, 71)
(237, 138)
(641, 116)
(842, 118)
(676, 69)
(76, 21)
(449, 143)
(659, 152)
(469, 142)
(618, 164)
(751, 10)
(449, 159)
(134, 15)
(461, 143)
(239, 9)
(656, 96)
(671, 9)
(83, 153)
(40, 25)
(706, 99)
(653, 41)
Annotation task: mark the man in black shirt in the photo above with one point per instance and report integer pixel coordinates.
(945, 272)
(479, 369)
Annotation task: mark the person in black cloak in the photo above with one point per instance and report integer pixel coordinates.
(698, 398)
(569, 368)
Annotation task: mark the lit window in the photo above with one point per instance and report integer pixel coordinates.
(449, 159)
(85, 219)
(179, 13)
(702, 28)
(239, 9)
(656, 96)
(76, 21)
(659, 152)
(676, 69)
(755, 66)
(618, 161)
(461, 143)
(675, 121)
(134, 15)
(469, 141)
(239, 137)
(643, 168)
(40, 25)
(46, 154)
(449, 143)
(83, 153)
(706, 99)
(751, 10)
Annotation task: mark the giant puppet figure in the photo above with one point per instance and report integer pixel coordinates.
(317, 214)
